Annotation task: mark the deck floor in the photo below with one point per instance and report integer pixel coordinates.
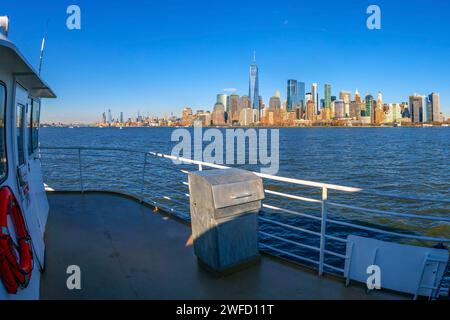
(127, 251)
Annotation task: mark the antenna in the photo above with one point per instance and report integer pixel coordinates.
(43, 47)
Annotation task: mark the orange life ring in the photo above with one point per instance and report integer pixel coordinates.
(16, 261)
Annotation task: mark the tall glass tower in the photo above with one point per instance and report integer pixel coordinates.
(301, 95)
(315, 98)
(327, 96)
(424, 116)
(292, 94)
(254, 84)
(369, 104)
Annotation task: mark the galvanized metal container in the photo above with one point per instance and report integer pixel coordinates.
(224, 217)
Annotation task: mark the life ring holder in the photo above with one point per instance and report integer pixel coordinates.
(16, 260)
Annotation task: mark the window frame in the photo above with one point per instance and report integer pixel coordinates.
(29, 125)
(35, 103)
(5, 177)
(20, 134)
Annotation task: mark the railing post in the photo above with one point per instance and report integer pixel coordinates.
(323, 229)
(143, 177)
(81, 171)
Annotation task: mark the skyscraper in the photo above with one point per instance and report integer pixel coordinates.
(355, 109)
(245, 102)
(246, 117)
(109, 116)
(434, 102)
(292, 94)
(308, 97)
(121, 117)
(357, 96)
(309, 113)
(369, 106)
(301, 95)
(187, 118)
(379, 100)
(254, 84)
(275, 102)
(393, 113)
(379, 109)
(424, 114)
(346, 97)
(234, 108)
(415, 102)
(418, 108)
(339, 106)
(218, 114)
(222, 98)
(315, 98)
(327, 96)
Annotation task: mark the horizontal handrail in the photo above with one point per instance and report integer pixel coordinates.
(287, 195)
(308, 183)
(211, 165)
(189, 161)
(91, 148)
(391, 233)
(262, 175)
(290, 241)
(394, 214)
(275, 178)
(289, 226)
(403, 197)
(322, 220)
(290, 254)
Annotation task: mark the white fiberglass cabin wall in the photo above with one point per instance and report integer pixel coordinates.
(21, 91)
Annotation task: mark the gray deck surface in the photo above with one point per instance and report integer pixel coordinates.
(127, 251)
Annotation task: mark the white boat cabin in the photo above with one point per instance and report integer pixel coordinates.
(21, 91)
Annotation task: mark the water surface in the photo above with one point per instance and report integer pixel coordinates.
(404, 162)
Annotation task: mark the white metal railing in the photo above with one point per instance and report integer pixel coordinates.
(161, 197)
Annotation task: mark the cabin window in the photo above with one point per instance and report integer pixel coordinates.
(3, 161)
(29, 133)
(36, 113)
(20, 133)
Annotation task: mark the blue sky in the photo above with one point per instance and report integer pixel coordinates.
(158, 56)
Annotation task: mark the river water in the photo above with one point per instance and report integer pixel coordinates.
(402, 162)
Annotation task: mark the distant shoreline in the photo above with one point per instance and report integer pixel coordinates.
(258, 127)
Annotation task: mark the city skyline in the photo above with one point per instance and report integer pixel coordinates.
(296, 95)
(164, 56)
(275, 101)
(298, 106)
(306, 105)
(301, 108)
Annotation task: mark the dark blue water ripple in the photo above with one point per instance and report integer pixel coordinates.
(406, 162)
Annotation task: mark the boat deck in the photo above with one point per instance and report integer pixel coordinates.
(127, 251)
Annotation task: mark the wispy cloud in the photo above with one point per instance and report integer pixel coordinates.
(231, 90)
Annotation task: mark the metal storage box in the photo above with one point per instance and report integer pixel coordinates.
(224, 217)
